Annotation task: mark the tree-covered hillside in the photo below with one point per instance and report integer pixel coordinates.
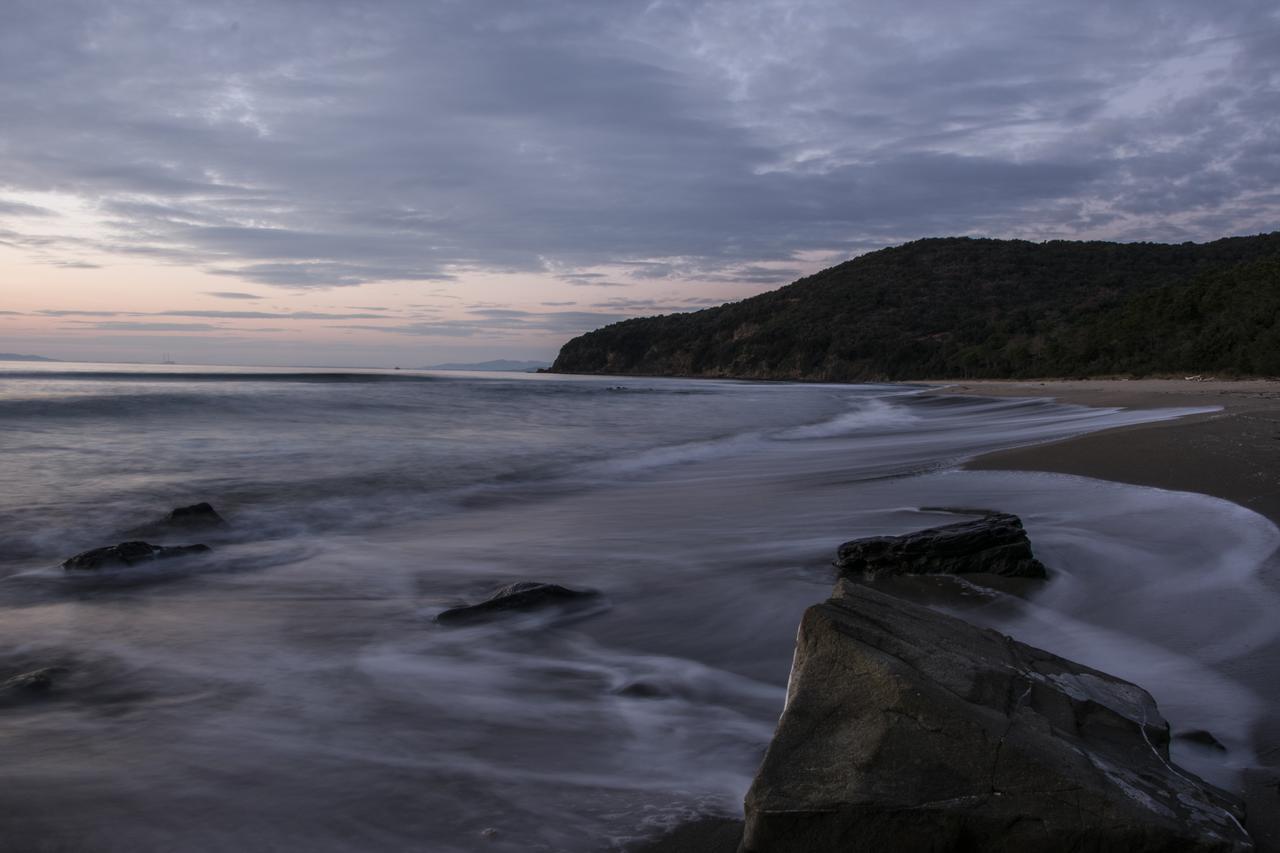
(977, 308)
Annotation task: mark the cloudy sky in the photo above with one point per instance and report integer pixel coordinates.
(375, 183)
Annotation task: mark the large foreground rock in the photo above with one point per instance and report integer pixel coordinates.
(909, 730)
(127, 554)
(995, 544)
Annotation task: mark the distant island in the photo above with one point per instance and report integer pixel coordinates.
(496, 364)
(14, 356)
(961, 307)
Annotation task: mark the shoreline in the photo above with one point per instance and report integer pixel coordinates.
(1233, 454)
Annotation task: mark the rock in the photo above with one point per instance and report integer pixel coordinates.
(127, 554)
(197, 515)
(910, 730)
(201, 516)
(704, 835)
(644, 690)
(995, 544)
(1262, 806)
(1201, 737)
(36, 682)
(522, 596)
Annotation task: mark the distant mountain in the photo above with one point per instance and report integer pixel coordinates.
(496, 364)
(13, 356)
(976, 308)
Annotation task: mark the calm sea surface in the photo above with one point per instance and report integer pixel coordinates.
(290, 691)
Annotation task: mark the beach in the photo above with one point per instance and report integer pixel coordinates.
(1232, 454)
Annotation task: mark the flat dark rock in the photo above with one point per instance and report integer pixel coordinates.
(127, 554)
(995, 544)
(910, 730)
(182, 519)
(197, 515)
(37, 681)
(516, 597)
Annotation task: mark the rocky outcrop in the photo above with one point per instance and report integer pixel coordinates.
(201, 515)
(37, 682)
(995, 544)
(127, 554)
(909, 730)
(183, 519)
(516, 597)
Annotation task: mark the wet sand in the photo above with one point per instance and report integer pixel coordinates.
(1232, 454)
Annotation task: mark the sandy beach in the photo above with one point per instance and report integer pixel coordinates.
(1232, 454)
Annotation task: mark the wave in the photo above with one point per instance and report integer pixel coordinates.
(875, 414)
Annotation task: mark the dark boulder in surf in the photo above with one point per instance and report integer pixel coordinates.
(185, 519)
(519, 597)
(995, 544)
(127, 554)
(910, 730)
(1201, 737)
(33, 684)
(201, 515)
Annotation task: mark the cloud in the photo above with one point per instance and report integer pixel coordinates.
(127, 326)
(708, 140)
(18, 208)
(500, 323)
(214, 314)
(231, 294)
(262, 315)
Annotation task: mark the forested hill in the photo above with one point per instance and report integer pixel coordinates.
(974, 308)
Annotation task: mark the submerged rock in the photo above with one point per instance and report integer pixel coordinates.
(522, 596)
(197, 515)
(1202, 737)
(34, 683)
(201, 516)
(127, 554)
(910, 730)
(995, 544)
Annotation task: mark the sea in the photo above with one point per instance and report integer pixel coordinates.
(290, 689)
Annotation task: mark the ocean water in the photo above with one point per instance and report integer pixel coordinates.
(289, 690)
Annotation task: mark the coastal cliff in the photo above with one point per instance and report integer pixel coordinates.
(976, 308)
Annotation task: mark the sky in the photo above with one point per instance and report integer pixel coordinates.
(378, 183)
